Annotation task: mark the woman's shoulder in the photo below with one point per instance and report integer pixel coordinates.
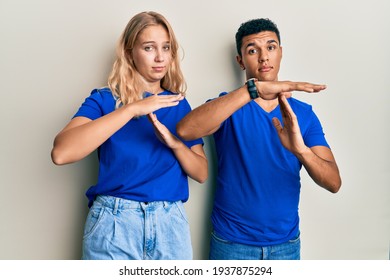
(102, 94)
(103, 91)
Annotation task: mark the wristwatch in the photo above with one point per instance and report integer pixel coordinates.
(250, 84)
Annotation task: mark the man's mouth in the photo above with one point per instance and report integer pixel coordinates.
(266, 68)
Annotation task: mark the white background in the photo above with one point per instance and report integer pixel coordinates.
(53, 53)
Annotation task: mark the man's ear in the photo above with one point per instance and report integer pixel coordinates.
(239, 61)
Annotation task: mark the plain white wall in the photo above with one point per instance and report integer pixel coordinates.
(53, 53)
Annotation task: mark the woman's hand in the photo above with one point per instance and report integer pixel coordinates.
(193, 160)
(154, 102)
(163, 133)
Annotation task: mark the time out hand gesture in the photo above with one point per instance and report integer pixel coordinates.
(289, 133)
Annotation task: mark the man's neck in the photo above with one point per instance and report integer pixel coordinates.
(267, 105)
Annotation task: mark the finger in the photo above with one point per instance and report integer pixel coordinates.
(282, 105)
(172, 97)
(157, 124)
(313, 87)
(163, 102)
(287, 94)
(152, 117)
(169, 101)
(318, 88)
(287, 112)
(277, 125)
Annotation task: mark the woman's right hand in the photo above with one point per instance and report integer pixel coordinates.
(154, 102)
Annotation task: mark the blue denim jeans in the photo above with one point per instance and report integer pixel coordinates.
(221, 249)
(123, 229)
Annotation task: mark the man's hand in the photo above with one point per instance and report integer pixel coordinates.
(318, 161)
(289, 133)
(271, 90)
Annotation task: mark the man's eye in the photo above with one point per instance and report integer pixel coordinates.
(252, 51)
(271, 48)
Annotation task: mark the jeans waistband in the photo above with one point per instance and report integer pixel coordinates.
(121, 203)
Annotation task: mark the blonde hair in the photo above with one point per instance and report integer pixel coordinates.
(124, 80)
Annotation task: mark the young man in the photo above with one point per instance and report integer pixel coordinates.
(255, 213)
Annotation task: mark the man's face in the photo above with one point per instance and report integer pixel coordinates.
(261, 55)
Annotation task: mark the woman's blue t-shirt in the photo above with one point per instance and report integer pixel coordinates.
(133, 163)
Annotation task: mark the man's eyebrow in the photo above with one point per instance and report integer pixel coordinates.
(251, 44)
(272, 41)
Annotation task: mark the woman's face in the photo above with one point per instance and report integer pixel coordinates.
(152, 54)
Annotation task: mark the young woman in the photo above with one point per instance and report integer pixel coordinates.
(136, 207)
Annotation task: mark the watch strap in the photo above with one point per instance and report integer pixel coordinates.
(252, 89)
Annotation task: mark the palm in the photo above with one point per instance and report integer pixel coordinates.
(162, 132)
(289, 133)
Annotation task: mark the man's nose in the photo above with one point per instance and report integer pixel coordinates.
(263, 57)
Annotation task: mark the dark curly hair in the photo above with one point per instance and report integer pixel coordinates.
(255, 26)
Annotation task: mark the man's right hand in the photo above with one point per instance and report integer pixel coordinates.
(270, 90)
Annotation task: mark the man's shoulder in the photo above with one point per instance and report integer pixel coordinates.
(221, 94)
(299, 105)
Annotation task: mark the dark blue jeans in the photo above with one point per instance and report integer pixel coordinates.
(221, 249)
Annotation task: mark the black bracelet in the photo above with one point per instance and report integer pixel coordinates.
(253, 93)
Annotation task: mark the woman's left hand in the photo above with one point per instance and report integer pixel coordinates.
(163, 133)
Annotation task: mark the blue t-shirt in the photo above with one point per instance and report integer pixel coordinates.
(133, 163)
(258, 181)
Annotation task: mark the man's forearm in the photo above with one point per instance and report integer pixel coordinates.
(207, 118)
(324, 171)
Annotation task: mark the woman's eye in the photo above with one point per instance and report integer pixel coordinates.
(167, 48)
(148, 48)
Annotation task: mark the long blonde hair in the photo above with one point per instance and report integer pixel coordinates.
(124, 80)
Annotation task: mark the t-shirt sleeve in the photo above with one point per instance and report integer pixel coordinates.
(91, 107)
(314, 135)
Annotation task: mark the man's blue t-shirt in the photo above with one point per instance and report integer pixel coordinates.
(133, 163)
(258, 181)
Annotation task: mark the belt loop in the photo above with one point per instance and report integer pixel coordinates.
(116, 206)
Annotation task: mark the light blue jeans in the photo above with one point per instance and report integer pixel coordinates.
(221, 249)
(123, 229)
